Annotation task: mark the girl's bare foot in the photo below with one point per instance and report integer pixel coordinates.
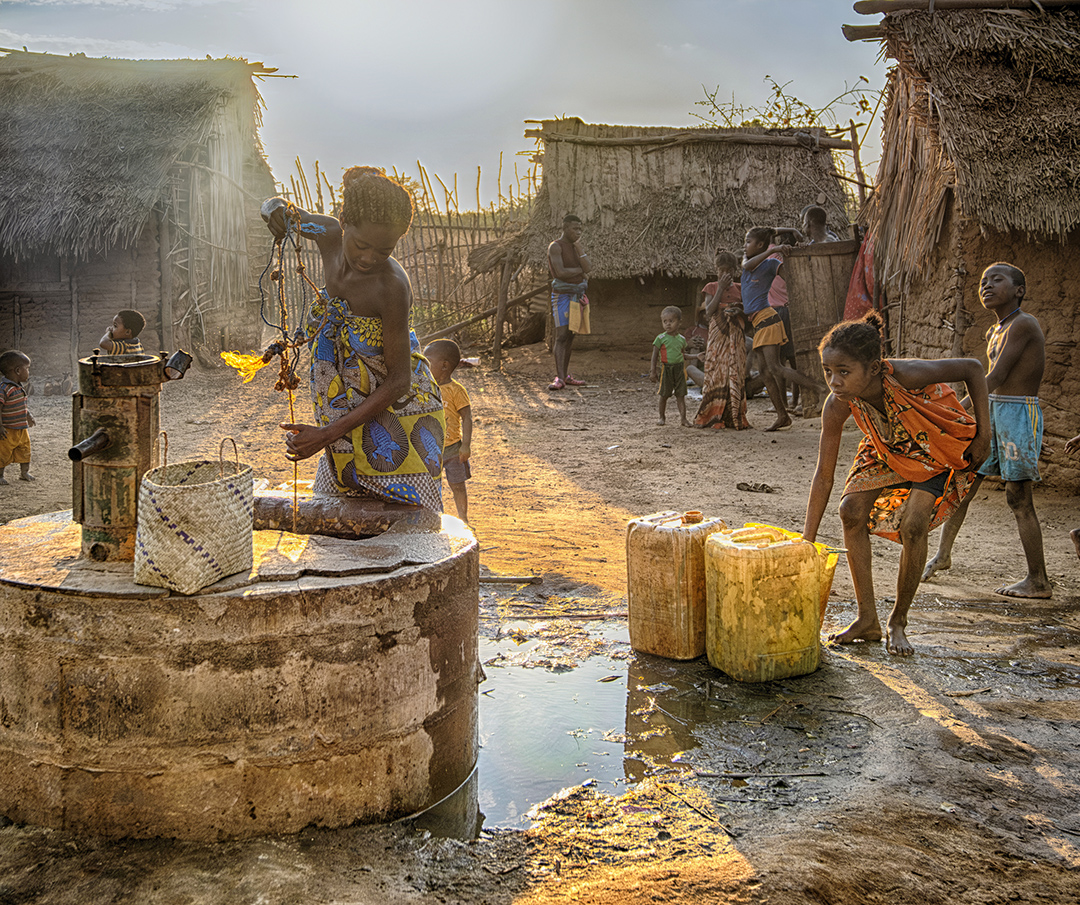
(3, 481)
(781, 422)
(1075, 535)
(1029, 587)
(661, 420)
(26, 476)
(938, 563)
(859, 630)
(898, 643)
(686, 423)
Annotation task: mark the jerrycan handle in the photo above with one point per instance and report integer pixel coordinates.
(660, 518)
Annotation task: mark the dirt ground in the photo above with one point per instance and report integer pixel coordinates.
(950, 776)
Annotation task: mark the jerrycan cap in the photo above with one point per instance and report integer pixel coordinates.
(692, 517)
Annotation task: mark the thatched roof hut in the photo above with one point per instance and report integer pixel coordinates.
(987, 103)
(980, 164)
(658, 200)
(109, 160)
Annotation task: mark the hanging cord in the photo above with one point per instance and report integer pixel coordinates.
(286, 348)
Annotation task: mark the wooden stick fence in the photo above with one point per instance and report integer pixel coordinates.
(448, 296)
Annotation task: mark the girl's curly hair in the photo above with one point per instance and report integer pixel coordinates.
(859, 339)
(370, 196)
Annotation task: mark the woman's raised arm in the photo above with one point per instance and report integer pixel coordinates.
(277, 212)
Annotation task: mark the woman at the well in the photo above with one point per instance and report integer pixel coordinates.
(378, 413)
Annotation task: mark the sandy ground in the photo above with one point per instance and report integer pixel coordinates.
(947, 777)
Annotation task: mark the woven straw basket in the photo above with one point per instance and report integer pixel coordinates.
(194, 524)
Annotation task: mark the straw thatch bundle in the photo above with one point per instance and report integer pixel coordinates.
(497, 253)
(88, 146)
(658, 200)
(986, 104)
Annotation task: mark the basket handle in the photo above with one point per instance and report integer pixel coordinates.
(221, 456)
(163, 446)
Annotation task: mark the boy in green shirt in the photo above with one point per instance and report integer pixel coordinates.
(669, 350)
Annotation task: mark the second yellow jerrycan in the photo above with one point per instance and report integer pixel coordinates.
(665, 577)
(765, 592)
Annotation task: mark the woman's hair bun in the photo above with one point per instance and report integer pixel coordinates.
(875, 320)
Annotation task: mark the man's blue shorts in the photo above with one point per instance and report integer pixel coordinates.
(560, 307)
(1016, 429)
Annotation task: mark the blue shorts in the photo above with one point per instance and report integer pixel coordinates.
(560, 307)
(457, 472)
(1016, 429)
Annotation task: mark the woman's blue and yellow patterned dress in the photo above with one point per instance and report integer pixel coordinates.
(397, 455)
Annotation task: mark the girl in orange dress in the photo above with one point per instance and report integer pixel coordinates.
(914, 465)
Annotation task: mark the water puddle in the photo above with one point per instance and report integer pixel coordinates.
(567, 702)
(611, 719)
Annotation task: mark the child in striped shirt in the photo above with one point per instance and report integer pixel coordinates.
(15, 418)
(122, 337)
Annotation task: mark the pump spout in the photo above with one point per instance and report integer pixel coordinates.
(93, 444)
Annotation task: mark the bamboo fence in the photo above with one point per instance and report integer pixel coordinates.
(435, 252)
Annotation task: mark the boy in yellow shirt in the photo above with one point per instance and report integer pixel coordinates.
(444, 356)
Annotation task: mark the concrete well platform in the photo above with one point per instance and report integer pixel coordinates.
(335, 683)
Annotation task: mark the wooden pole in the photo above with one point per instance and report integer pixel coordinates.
(72, 264)
(870, 7)
(487, 312)
(168, 338)
(863, 32)
(658, 142)
(424, 216)
(333, 197)
(858, 164)
(500, 313)
(319, 204)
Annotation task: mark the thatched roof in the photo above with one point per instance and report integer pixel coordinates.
(985, 104)
(87, 145)
(661, 200)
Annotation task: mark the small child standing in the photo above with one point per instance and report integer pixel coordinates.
(122, 337)
(444, 356)
(15, 418)
(669, 350)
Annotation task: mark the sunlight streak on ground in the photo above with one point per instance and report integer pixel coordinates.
(922, 700)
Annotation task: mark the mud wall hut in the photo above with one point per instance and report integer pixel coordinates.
(980, 164)
(656, 202)
(129, 184)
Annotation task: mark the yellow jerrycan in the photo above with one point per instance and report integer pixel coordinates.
(766, 590)
(665, 578)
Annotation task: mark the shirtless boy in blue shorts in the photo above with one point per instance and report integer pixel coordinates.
(1016, 350)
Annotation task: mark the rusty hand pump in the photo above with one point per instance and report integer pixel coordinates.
(115, 411)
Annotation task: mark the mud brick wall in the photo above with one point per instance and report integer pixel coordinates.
(625, 314)
(124, 278)
(48, 301)
(35, 320)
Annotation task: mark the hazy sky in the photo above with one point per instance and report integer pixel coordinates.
(450, 82)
